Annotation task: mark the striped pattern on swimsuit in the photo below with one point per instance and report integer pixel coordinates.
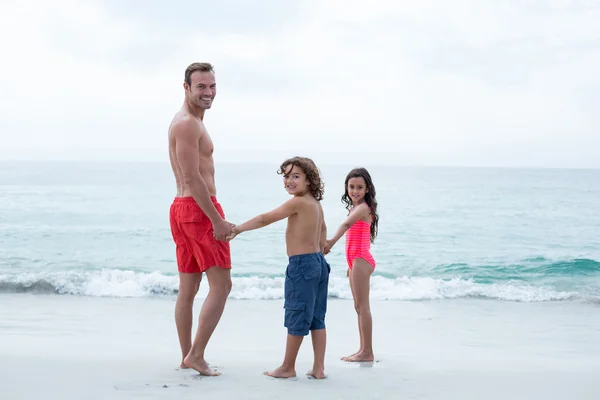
(358, 243)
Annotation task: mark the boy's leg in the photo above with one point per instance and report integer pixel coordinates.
(319, 340)
(299, 298)
(288, 368)
(318, 331)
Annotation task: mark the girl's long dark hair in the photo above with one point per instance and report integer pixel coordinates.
(369, 197)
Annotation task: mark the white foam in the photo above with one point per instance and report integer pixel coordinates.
(123, 283)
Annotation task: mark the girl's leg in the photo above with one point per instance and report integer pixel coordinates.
(360, 278)
(360, 348)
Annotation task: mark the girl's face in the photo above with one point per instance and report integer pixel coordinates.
(295, 181)
(357, 188)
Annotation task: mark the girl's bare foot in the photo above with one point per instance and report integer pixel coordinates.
(317, 373)
(360, 357)
(199, 365)
(345, 358)
(281, 372)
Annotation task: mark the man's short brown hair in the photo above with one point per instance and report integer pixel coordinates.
(311, 171)
(197, 66)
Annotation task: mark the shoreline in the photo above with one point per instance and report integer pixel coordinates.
(97, 348)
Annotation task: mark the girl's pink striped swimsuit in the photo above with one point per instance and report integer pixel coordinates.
(358, 243)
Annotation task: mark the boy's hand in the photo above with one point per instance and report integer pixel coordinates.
(234, 232)
(220, 230)
(328, 245)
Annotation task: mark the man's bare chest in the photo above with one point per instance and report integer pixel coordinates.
(205, 145)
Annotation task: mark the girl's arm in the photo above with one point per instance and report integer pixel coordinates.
(285, 210)
(362, 211)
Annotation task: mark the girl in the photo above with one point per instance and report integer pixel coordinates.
(360, 228)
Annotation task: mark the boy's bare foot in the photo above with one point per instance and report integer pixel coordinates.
(317, 373)
(199, 365)
(360, 357)
(281, 372)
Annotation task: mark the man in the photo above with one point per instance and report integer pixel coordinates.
(197, 220)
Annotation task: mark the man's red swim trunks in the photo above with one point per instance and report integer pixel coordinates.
(196, 247)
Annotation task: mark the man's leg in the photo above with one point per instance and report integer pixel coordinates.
(219, 280)
(188, 287)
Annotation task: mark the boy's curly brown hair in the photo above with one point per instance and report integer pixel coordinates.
(313, 175)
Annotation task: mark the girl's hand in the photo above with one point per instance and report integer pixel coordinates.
(328, 245)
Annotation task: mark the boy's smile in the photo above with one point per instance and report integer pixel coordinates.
(294, 181)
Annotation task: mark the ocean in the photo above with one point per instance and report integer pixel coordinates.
(486, 287)
(101, 229)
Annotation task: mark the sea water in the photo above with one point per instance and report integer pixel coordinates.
(102, 229)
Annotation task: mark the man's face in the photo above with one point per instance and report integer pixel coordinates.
(202, 90)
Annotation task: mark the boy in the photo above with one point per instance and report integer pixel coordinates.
(307, 274)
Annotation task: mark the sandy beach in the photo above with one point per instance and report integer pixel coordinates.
(59, 347)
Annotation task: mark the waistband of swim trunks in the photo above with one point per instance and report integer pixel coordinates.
(190, 199)
(298, 257)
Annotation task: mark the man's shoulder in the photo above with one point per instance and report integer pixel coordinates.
(185, 125)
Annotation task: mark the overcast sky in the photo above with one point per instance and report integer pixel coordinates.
(479, 83)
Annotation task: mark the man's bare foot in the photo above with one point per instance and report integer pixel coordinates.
(281, 372)
(199, 365)
(183, 366)
(360, 357)
(317, 373)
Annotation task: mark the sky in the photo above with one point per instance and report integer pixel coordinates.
(510, 83)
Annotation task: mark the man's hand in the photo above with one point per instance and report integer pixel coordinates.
(222, 229)
(233, 234)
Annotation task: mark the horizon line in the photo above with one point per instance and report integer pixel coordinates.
(332, 164)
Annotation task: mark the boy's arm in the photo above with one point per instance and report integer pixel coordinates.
(285, 210)
(323, 236)
(359, 212)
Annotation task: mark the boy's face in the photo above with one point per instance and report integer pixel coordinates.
(295, 181)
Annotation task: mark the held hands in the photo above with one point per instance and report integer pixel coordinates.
(222, 230)
(328, 245)
(234, 232)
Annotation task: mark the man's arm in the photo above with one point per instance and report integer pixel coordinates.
(285, 210)
(187, 149)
